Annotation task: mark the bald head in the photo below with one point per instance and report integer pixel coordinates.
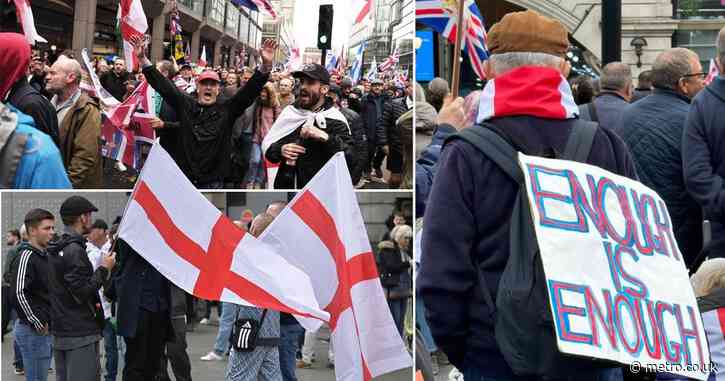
(260, 223)
(64, 75)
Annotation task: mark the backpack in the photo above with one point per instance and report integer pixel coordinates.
(523, 325)
(12, 147)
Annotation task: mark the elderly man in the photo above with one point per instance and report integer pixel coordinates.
(703, 153)
(653, 128)
(115, 80)
(466, 237)
(79, 117)
(205, 125)
(607, 108)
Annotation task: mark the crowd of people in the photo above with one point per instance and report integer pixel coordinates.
(251, 127)
(65, 292)
(666, 133)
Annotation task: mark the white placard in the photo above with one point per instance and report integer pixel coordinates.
(617, 283)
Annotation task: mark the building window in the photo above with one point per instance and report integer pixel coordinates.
(699, 9)
(216, 12)
(701, 42)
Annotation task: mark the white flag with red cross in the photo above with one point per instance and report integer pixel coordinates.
(188, 240)
(322, 232)
(132, 23)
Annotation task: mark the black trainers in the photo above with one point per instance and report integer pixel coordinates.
(19, 371)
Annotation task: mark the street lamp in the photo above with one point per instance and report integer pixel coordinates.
(639, 43)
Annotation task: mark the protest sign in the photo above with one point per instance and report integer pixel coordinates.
(617, 283)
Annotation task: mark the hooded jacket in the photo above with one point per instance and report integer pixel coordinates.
(703, 156)
(28, 100)
(29, 284)
(74, 287)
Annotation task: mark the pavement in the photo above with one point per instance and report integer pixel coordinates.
(200, 342)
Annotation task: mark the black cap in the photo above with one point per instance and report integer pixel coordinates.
(99, 224)
(313, 71)
(75, 206)
(184, 66)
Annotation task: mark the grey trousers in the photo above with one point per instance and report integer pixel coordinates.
(260, 364)
(79, 364)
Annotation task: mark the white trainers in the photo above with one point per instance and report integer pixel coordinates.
(211, 356)
(205, 321)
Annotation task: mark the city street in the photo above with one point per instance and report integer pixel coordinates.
(200, 342)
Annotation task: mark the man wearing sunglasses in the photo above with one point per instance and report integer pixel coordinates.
(652, 128)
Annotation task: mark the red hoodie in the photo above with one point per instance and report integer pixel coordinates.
(14, 60)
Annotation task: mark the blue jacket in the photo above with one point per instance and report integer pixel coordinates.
(609, 107)
(41, 166)
(425, 167)
(652, 129)
(703, 156)
(466, 226)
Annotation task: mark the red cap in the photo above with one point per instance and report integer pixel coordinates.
(208, 75)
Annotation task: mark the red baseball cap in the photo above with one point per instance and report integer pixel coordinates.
(208, 75)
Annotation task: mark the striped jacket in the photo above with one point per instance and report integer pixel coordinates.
(29, 274)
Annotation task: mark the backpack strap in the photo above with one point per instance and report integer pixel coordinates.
(580, 141)
(494, 147)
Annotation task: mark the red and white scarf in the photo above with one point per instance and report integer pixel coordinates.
(528, 90)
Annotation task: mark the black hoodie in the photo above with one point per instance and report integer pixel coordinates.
(74, 287)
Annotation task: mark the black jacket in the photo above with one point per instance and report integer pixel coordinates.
(360, 142)
(371, 110)
(115, 84)
(653, 129)
(318, 153)
(205, 131)
(467, 221)
(390, 264)
(74, 287)
(703, 156)
(127, 291)
(38, 83)
(28, 100)
(29, 284)
(388, 123)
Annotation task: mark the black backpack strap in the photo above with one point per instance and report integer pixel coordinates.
(580, 141)
(494, 147)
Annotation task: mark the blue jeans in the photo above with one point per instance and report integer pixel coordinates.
(255, 173)
(397, 309)
(111, 347)
(36, 351)
(614, 374)
(18, 356)
(229, 315)
(288, 343)
(425, 333)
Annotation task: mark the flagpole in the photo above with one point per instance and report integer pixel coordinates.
(455, 80)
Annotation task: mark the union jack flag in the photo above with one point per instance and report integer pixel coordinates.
(441, 15)
(390, 62)
(256, 5)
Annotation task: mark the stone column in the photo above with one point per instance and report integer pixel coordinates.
(157, 38)
(195, 39)
(217, 52)
(91, 26)
(83, 16)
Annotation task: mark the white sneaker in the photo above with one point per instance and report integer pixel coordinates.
(205, 321)
(211, 356)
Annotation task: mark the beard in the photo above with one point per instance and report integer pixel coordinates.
(312, 100)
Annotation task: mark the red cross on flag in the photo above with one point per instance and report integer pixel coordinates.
(322, 232)
(188, 240)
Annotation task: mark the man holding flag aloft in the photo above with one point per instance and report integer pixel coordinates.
(204, 131)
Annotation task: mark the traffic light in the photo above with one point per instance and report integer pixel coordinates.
(324, 28)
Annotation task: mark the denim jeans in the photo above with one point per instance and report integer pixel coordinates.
(425, 333)
(397, 309)
(613, 374)
(229, 315)
(111, 347)
(288, 342)
(255, 173)
(18, 356)
(36, 351)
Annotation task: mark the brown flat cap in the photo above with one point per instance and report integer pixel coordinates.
(528, 31)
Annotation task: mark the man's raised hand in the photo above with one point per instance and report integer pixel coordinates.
(269, 48)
